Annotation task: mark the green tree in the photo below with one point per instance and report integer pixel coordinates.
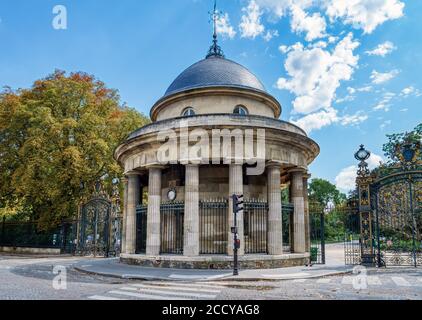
(55, 137)
(325, 197)
(324, 192)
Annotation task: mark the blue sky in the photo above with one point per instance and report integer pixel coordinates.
(346, 71)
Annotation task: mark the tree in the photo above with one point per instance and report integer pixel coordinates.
(394, 140)
(55, 138)
(323, 192)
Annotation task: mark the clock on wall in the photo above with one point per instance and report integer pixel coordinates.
(172, 194)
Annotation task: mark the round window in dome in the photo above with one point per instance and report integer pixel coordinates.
(241, 110)
(188, 112)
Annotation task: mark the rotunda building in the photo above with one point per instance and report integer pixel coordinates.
(216, 133)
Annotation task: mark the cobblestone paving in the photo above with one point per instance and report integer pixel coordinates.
(23, 278)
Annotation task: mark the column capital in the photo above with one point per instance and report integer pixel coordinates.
(132, 173)
(155, 166)
(275, 164)
(303, 171)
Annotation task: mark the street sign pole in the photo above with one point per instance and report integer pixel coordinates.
(237, 207)
(235, 262)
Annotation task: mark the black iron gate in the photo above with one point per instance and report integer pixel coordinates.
(94, 227)
(141, 228)
(398, 218)
(213, 231)
(255, 218)
(317, 233)
(172, 217)
(352, 237)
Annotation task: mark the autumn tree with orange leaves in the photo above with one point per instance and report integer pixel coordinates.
(55, 137)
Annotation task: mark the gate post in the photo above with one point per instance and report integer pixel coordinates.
(322, 238)
(363, 182)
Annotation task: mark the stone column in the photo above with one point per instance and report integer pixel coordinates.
(307, 220)
(275, 225)
(123, 244)
(153, 214)
(299, 243)
(235, 187)
(133, 199)
(191, 218)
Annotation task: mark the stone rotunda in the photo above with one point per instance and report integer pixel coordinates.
(216, 132)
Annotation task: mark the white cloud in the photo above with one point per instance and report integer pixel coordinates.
(361, 14)
(384, 104)
(313, 25)
(315, 74)
(355, 119)
(406, 92)
(224, 28)
(284, 49)
(364, 14)
(320, 119)
(251, 25)
(364, 89)
(280, 8)
(317, 120)
(270, 34)
(346, 179)
(385, 124)
(382, 49)
(319, 44)
(379, 77)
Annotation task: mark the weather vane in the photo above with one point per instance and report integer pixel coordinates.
(215, 49)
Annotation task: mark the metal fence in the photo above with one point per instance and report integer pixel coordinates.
(352, 238)
(255, 219)
(287, 216)
(317, 234)
(28, 234)
(141, 228)
(213, 226)
(172, 217)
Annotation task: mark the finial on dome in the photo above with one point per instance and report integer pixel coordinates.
(215, 50)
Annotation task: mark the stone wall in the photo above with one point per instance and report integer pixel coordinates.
(23, 250)
(218, 262)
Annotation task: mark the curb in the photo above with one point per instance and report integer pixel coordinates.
(224, 278)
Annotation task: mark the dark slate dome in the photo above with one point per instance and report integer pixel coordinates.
(215, 71)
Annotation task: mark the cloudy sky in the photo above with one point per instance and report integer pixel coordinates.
(348, 72)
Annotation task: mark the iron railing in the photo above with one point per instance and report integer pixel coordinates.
(172, 220)
(317, 232)
(255, 220)
(28, 234)
(213, 226)
(287, 218)
(141, 228)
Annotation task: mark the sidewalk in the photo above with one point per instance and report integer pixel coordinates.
(113, 268)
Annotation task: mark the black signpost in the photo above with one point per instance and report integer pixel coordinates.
(237, 207)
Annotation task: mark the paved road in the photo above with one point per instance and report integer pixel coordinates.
(28, 278)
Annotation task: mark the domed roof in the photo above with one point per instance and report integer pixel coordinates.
(215, 71)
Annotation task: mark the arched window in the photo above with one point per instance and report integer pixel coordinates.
(188, 112)
(241, 110)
